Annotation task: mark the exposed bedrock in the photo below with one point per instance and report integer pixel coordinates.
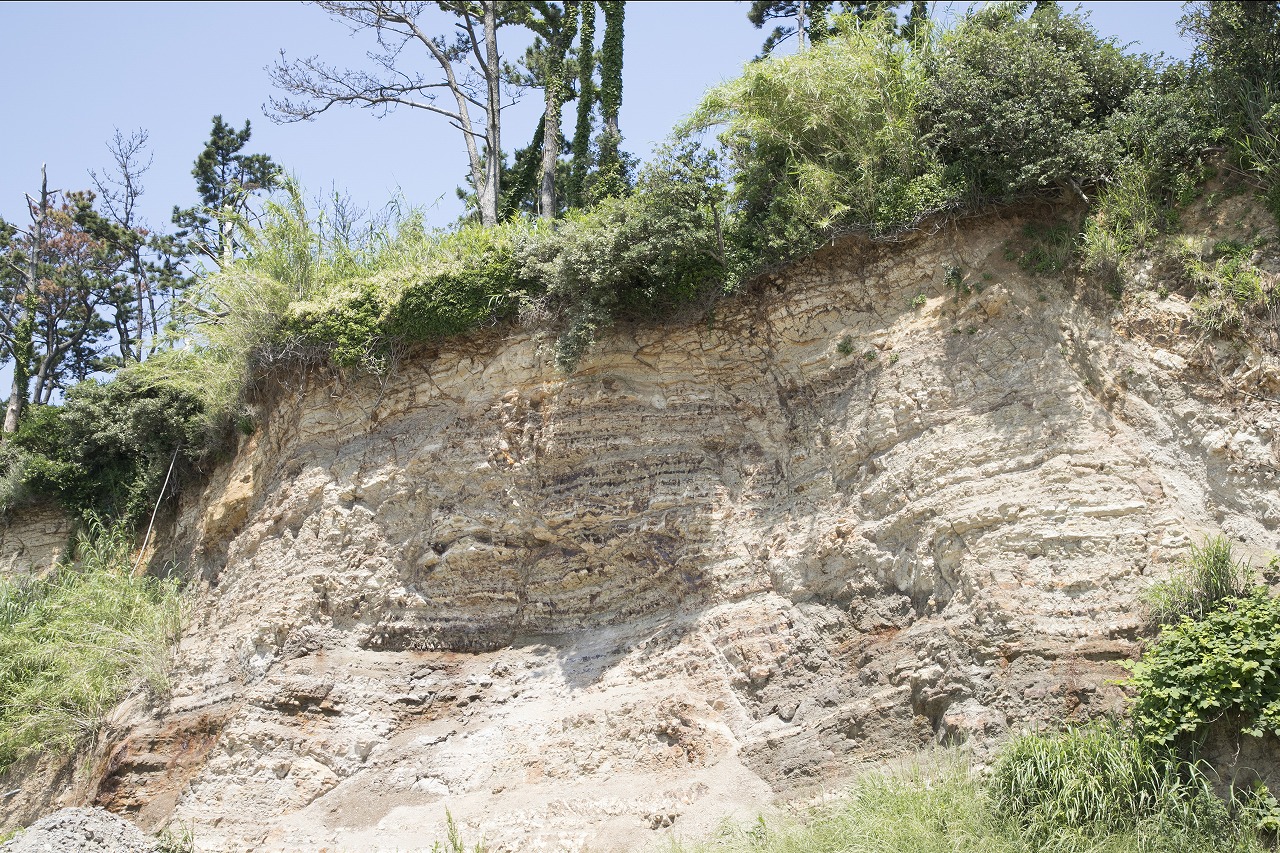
(724, 563)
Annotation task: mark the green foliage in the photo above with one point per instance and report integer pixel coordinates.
(454, 842)
(107, 450)
(225, 180)
(1238, 43)
(1230, 287)
(75, 641)
(1049, 248)
(611, 179)
(1017, 105)
(472, 276)
(1209, 576)
(1127, 215)
(1099, 780)
(347, 329)
(637, 256)
(1222, 666)
(826, 139)
(953, 810)
(580, 162)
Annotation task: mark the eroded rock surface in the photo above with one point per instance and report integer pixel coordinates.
(32, 539)
(722, 563)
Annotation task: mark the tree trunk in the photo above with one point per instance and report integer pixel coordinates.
(555, 87)
(611, 183)
(489, 191)
(24, 331)
(581, 162)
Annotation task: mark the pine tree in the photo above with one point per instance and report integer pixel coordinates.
(225, 180)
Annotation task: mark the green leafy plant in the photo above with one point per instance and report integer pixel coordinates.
(74, 642)
(108, 449)
(1223, 666)
(1014, 105)
(826, 139)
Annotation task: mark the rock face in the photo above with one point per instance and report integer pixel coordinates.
(32, 538)
(858, 512)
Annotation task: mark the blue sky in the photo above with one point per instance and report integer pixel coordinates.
(74, 72)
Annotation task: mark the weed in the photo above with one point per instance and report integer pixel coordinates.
(870, 355)
(845, 347)
(454, 843)
(73, 642)
(1049, 248)
(1209, 576)
(1221, 666)
(919, 300)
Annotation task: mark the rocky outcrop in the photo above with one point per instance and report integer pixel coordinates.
(856, 512)
(32, 538)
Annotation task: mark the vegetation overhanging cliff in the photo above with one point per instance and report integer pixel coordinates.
(1139, 143)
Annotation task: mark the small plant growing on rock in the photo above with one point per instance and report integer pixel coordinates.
(845, 347)
(1209, 576)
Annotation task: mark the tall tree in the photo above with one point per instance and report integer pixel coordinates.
(139, 303)
(813, 18)
(557, 27)
(580, 163)
(22, 253)
(55, 277)
(470, 69)
(226, 180)
(611, 180)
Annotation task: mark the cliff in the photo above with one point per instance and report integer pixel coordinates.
(856, 512)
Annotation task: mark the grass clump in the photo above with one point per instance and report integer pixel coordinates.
(1035, 801)
(1096, 781)
(1231, 290)
(72, 643)
(1209, 577)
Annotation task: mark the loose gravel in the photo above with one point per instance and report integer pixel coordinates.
(78, 830)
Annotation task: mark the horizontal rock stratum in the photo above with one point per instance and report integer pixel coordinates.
(854, 512)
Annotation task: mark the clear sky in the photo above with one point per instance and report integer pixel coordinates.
(74, 72)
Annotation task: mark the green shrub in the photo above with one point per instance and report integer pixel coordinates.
(107, 450)
(641, 256)
(1208, 577)
(1015, 105)
(348, 330)
(826, 139)
(1224, 666)
(469, 277)
(74, 642)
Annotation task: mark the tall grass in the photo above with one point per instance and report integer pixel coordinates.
(1099, 780)
(1208, 576)
(74, 642)
(1039, 799)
